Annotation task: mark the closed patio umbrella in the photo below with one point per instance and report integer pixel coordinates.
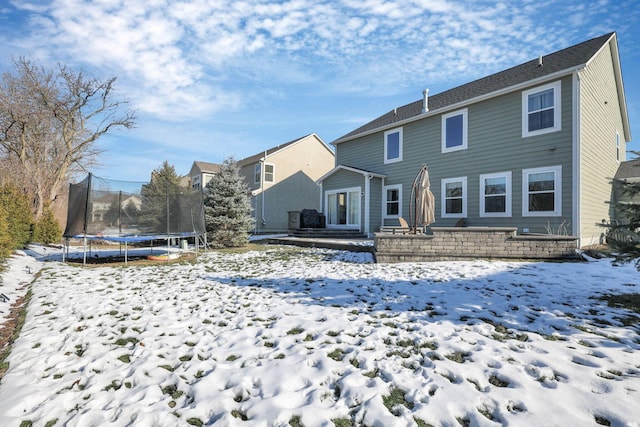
(424, 199)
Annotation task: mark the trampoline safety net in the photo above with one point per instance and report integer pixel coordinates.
(126, 210)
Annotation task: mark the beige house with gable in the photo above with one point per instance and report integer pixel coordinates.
(283, 179)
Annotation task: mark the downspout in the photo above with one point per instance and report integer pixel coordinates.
(367, 190)
(576, 188)
(262, 174)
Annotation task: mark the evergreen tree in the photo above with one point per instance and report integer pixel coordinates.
(46, 229)
(629, 209)
(227, 207)
(16, 219)
(157, 196)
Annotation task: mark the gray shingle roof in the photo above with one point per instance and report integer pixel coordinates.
(564, 59)
(629, 169)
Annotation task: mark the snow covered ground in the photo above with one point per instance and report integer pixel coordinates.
(292, 336)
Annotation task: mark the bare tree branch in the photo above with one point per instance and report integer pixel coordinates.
(50, 122)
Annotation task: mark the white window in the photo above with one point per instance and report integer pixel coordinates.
(454, 197)
(542, 191)
(454, 131)
(269, 172)
(392, 203)
(257, 172)
(617, 146)
(343, 207)
(393, 145)
(495, 195)
(541, 110)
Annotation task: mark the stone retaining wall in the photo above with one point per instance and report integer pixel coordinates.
(455, 243)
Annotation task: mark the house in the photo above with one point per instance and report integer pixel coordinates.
(282, 179)
(532, 147)
(628, 173)
(201, 173)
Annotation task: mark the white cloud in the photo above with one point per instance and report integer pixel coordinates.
(196, 57)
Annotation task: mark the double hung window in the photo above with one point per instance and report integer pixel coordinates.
(454, 197)
(392, 201)
(495, 195)
(542, 191)
(541, 110)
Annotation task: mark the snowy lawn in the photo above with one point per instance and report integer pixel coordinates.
(311, 337)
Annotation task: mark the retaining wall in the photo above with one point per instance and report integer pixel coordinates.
(456, 243)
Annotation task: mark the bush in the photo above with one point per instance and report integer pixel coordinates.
(47, 230)
(16, 220)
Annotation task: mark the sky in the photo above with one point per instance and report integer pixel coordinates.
(211, 79)
(292, 336)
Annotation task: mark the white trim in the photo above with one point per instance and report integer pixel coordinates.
(557, 191)
(367, 216)
(557, 109)
(264, 174)
(465, 127)
(344, 190)
(259, 166)
(349, 169)
(385, 188)
(576, 188)
(508, 193)
(618, 152)
(443, 204)
(400, 143)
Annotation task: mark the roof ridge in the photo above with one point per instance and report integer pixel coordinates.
(556, 61)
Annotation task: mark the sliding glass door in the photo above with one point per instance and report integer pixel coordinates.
(343, 208)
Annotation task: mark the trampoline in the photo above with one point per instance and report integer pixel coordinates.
(128, 212)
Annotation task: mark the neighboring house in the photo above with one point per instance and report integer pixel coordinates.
(201, 173)
(533, 147)
(628, 172)
(283, 179)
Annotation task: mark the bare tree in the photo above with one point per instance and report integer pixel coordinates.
(50, 121)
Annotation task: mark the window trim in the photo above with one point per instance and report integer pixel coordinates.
(400, 144)
(557, 199)
(348, 191)
(257, 173)
(443, 204)
(273, 174)
(618, 147)
(557, 109)
(465, 130)
(508, 196)
(385, 201)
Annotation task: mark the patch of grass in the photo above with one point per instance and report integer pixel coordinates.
(269, 344)
(172, 390)
(232, 358)
(308, 337)
(333, 333)
(486, 413)
(395, 398)
(125, 341)
(26, 423)
(342, 422)
(167, 367)
(51, 423)
(628, 301)
(464, 422)
(295, 421)
(458, 356)
(279, 356)
(421, 422)
(498, 382)
(235, 413)
(336, 354)
(602, 420)
(125, 358)
(185, 358)
(295, 331)
(195, 422)
(371, 374)
(114, 385)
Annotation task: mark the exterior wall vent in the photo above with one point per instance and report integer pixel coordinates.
(425, 100)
